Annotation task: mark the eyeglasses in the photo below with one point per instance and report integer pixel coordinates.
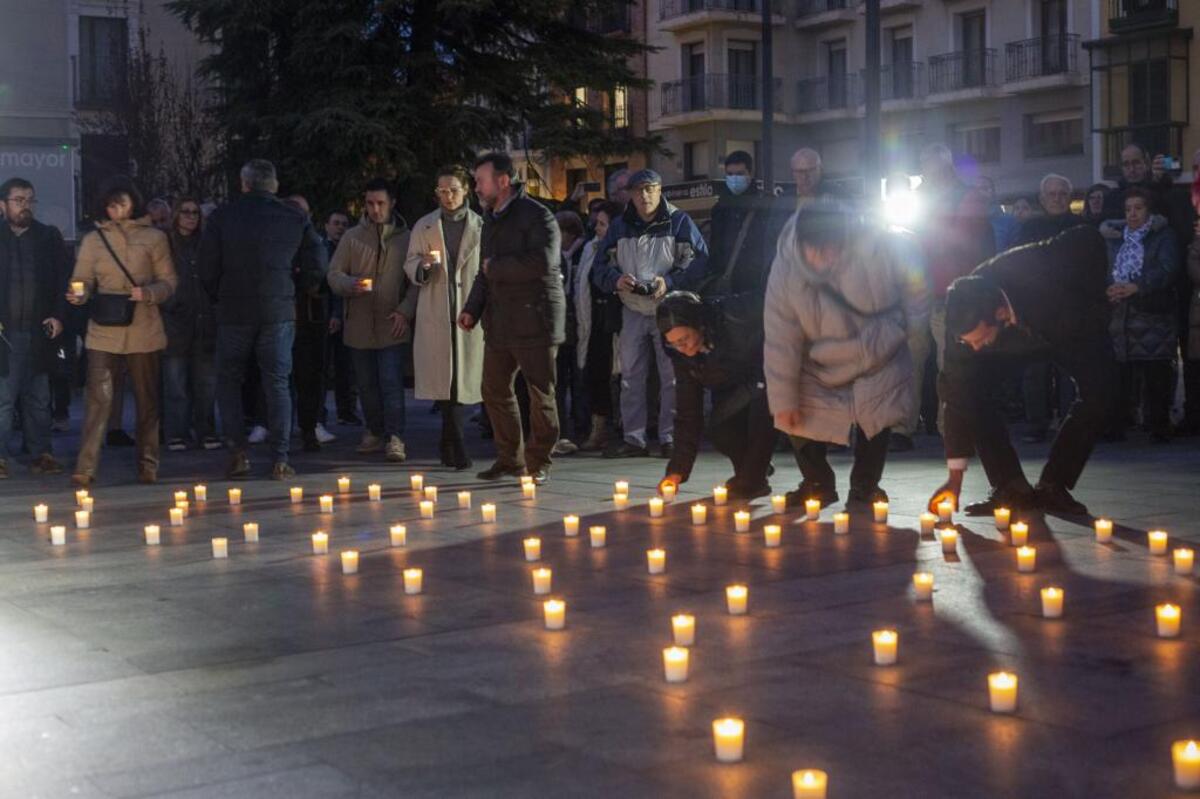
(649, 189)
(21, 202)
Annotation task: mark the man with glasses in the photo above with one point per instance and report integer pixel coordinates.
(652, 248)
(34, 267)
(809, 175)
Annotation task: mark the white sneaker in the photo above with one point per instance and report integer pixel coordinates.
(395, 450)
(323, 435)
(258, 434)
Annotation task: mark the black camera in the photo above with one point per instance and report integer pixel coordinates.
(645, 288)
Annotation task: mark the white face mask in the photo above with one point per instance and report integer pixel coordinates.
(737, 183)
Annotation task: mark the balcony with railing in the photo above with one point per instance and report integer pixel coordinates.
(1133, 15)
(680, 15)
(1042, 62)
(900, 82)
(817, 14)
(965, 74)
(718, 95)
(831, 95)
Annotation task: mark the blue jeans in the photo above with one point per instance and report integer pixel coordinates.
(189, 389)
(380, 375)
(34, 393)
(271, 345)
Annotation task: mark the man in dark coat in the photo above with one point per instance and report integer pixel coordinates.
(717, 344)
(246, 261)
(518, 295)
(34, 267)
(1007, 310)
(742, 234)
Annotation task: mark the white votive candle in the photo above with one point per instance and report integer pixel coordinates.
(1052, 602)
(729, 737)
(349, 561)
(235, 496)
(656, 561)
(1185, 559)
(778, 503)
(1018, 534)
(772, 535)
(41, 513)
(1002, 516)
(923, 586)
(180, 496)
(881, 512)
(598, 536)
(621, 487)
(487, 512)
(886, 644)
(812, 509)
(949, 538)
(77, 287)
(80, 495)
(153, 535)
(414, 581)
(175, 515)
(928, 520)
(58, 535)
(699, 514)
(541, 581)
(89, 504)
(1185, 757)
(720, 495)
(343, 484)
(841, 522)
(656, 507)
(184, 506)
(741, 521)
(426, 506)
(250, 532)
(1168, 618)
(1157, 540)
(220, 548)
(668, 492)
(683, 629)
(809, 783)
(1026, 559)
(570, 526)
(736, 599)
(533, 549)
(554, 614)
(320, 543)
(398, 535)
(675, 664)
(297, 494)
(464, 499)
(1002, 692)
(431, 494)
(416, 482)
(200, 492)
(529, 490)
(527, 479)
(1104, 531)
(620, 501)
(326, 503)
(374, 492)
(945, 511)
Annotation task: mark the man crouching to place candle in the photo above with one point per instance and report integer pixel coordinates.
(842, 300)
(1008, 312)
(717, 344)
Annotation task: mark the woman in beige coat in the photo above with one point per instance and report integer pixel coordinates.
(447, 360)
(146, 255)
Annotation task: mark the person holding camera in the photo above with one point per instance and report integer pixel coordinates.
(650, 249)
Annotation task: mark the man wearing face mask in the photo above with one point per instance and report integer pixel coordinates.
(743, 232)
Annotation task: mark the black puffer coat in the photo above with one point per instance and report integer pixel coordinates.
(1143, 326)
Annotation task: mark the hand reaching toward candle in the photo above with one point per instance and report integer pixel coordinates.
(673, 480)
(949, 491)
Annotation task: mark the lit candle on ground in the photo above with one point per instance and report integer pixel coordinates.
(180, 496)
(656, 507)
(1002, 517)
(431, 494)
(945, 511)
(320, 543)
(620, 501)
(200, 492)
(1185, 756)
(80, 495)
(153, 535)
(1026, 559)
(1052, 603)
(77, 288)
(736, 599)
(326, 503)
(220, 548)
(621, 487)
(374, 492)
(656, 561)
(928, 520)
(886, 643)
(809, 784)
(570, 526)
(1168, 617)
(89, 504)
(398, 534)
(729, 736)
(529, 490)
(250, 532)
(297, 494)
(541, 581)
(812, 509)
(1157, 540)
(668, 492)
(1185, 560)
(349, 561)
(1104, 531)
(741, 521)
(343, 485)
(598, 536)
(1002, 692)
(487, 512)
(41, 513)
(778, 503)
(699, 514)
(841, 522)
(533, 549)
(184, 506)
(675, 664)
(683, 629)
(426, 506)
(923, 586)
(464, 499)
(881, 512)
(1018, 534)
(416, 482)
(772, 535)
(554, 611)
(176, 516)
(414, 581)
(58, 535)
(949, 537)
(526, 479)
(720, 495)
(235, 496)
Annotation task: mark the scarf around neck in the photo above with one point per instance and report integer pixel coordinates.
(1127, 267)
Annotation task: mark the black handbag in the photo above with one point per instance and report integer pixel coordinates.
(113, 310)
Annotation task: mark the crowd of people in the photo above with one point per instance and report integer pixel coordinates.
(817, 316)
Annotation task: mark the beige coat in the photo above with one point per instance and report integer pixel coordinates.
(147, 255)
(436, 326)
(372, 251)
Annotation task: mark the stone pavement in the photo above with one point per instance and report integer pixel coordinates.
(130, 671)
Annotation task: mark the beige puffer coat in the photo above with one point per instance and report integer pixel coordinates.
(377, 252)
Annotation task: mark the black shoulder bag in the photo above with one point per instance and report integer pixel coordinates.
(113, 310)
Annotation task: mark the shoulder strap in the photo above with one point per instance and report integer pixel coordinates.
(113, 253)
(721, 284)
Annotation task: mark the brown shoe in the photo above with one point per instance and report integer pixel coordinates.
(239, 466)
(46, 464)
(282, 471)
(81, 480)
